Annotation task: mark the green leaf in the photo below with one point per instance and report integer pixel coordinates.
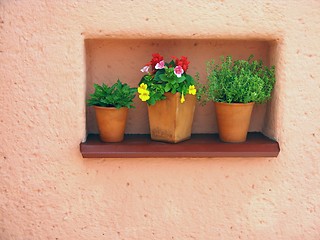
(164, 78)
(181, 79)
(118, 95)
(167, 87)
(152, 101)
(189, 80)
(158, 74)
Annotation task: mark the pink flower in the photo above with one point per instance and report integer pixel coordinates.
(160, 65)
(183, 62)
(178, 70)
(145, 69)
(156, 58)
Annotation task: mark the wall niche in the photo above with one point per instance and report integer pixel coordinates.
(109, 59)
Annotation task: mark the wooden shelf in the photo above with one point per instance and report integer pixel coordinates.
(200, 145)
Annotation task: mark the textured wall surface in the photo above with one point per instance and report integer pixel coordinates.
(48, 191)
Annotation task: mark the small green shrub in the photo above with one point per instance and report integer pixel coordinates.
(239, 81)
(118, 95)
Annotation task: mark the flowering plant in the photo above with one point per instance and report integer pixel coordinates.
(165, 77)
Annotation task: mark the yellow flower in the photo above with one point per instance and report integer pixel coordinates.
(182, 99)
(143, 88)
(143, 92)
(144, 96)
(192, 90)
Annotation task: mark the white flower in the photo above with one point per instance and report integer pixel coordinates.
(145, 69)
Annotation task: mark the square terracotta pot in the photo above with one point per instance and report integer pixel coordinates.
(170, 120)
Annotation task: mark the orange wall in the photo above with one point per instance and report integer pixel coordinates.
(52, 51)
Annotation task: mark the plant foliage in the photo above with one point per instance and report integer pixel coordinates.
(239, 81)
(164, 77)
(118, 95)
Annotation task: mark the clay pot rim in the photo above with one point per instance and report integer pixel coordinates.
(109, 107)
(179, 94)
(168, 93)
(235, 104)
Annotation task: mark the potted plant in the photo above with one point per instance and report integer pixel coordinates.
(111, 105)
(170, 95)
(234, 86)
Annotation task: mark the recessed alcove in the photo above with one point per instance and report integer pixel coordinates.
(118, 58)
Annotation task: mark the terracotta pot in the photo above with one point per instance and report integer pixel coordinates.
(233, 120)
(170, 120)
(111, 123)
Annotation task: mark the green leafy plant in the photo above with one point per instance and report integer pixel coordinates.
(239, 81)
(118, 95)
(164, 77)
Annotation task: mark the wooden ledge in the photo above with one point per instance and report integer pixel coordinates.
(199, 146)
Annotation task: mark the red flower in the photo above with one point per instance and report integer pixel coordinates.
(183, 62)
(156, 58)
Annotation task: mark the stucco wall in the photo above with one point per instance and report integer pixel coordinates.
(48, 191)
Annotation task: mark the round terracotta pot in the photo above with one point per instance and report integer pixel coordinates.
(233, 120)
(111, 123)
